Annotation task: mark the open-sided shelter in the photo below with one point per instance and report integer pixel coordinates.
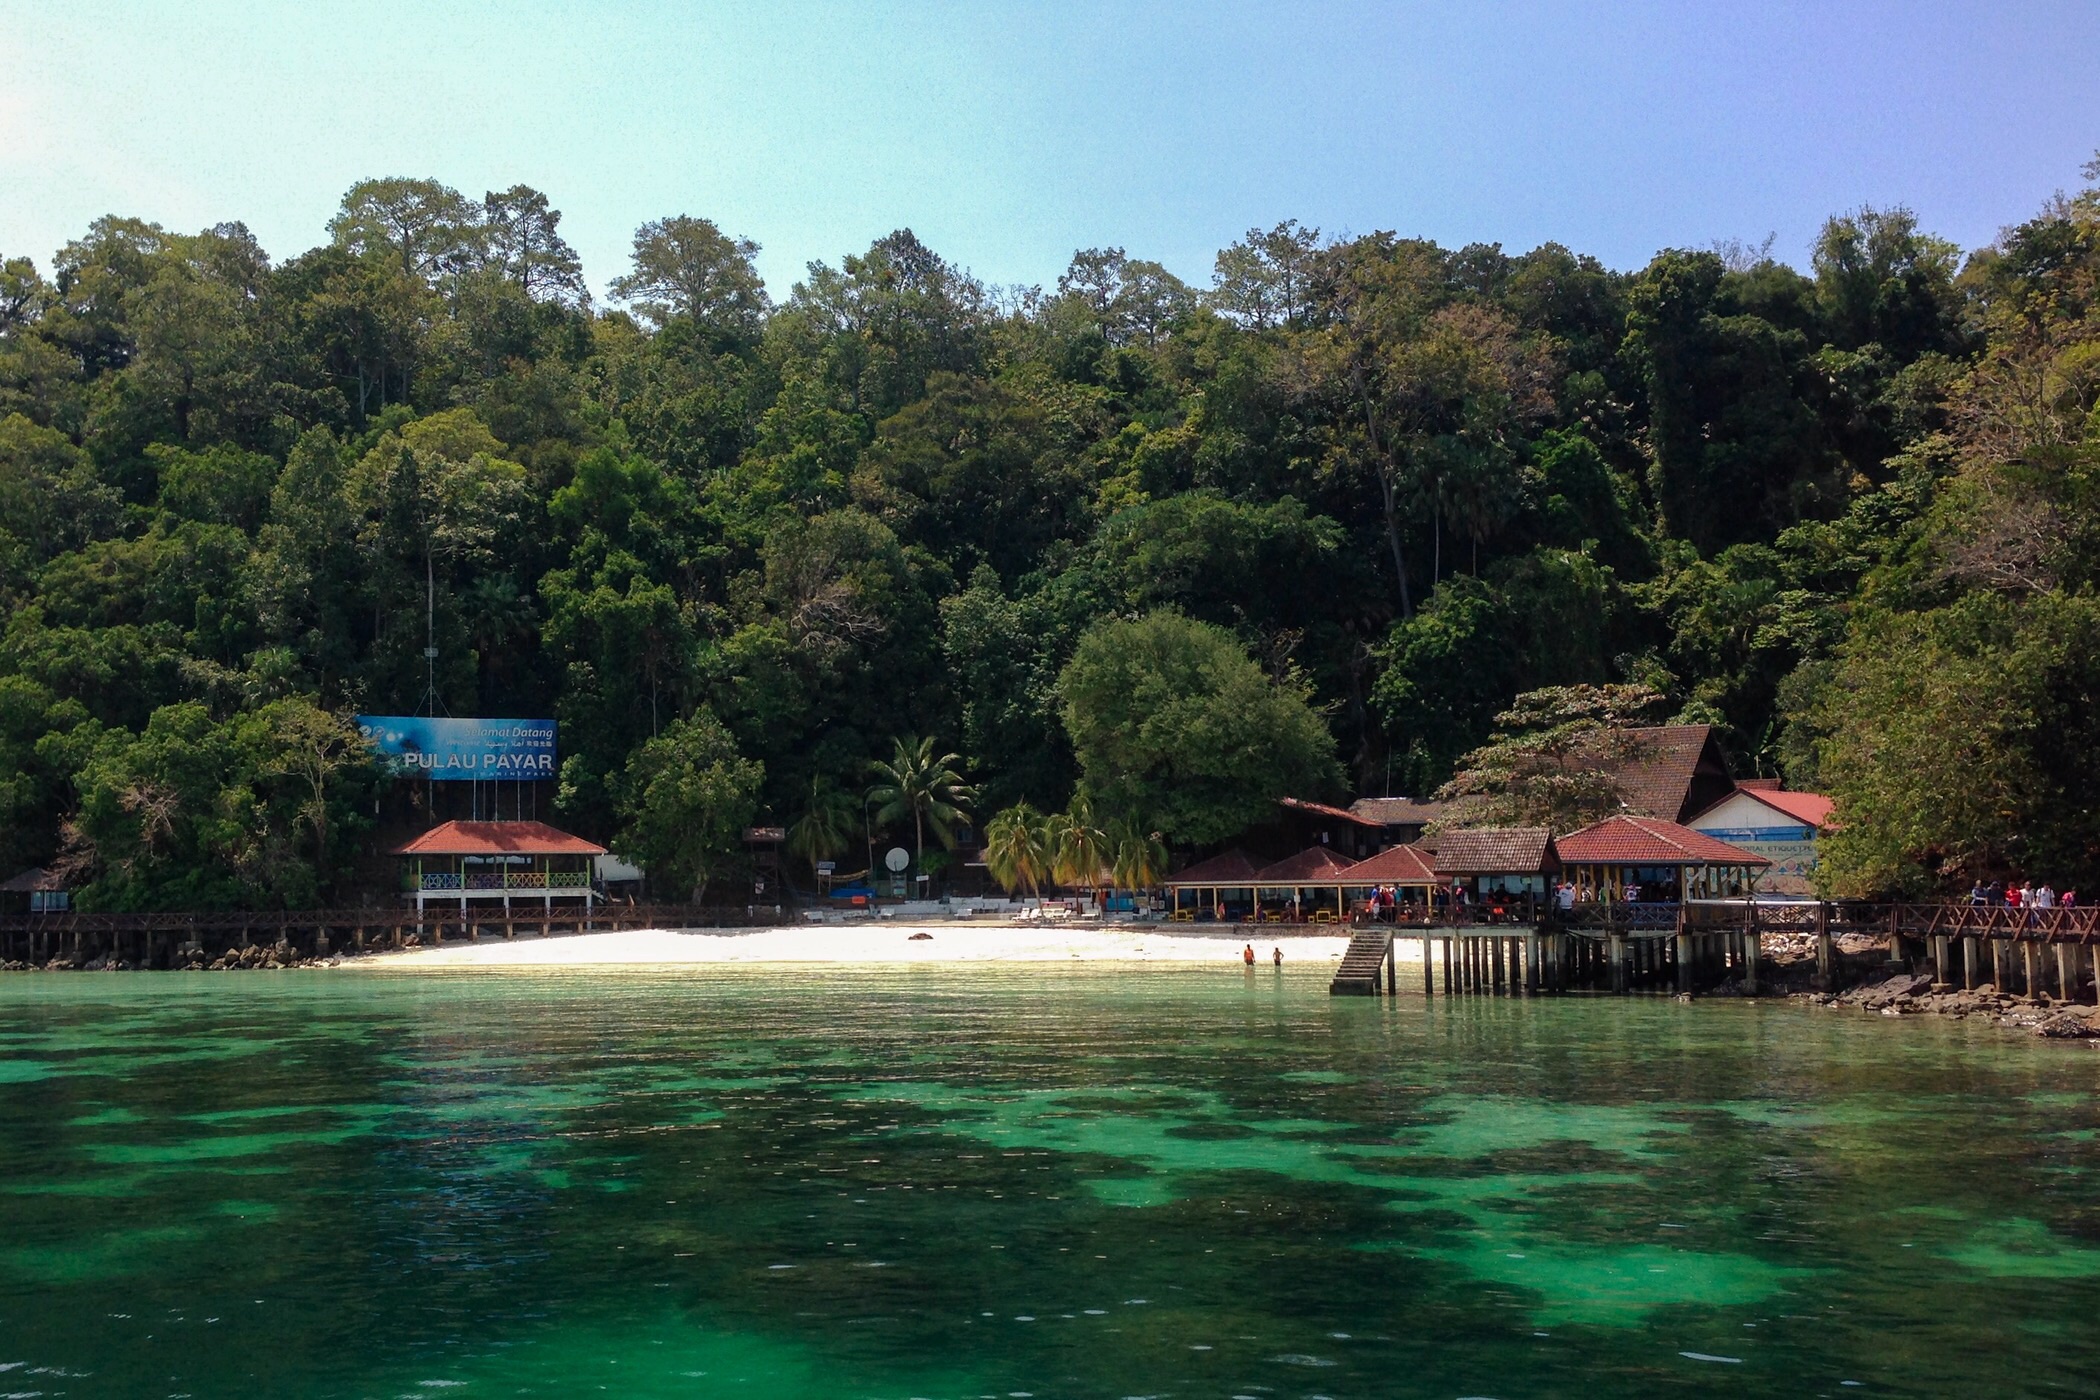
(1657, 860)
(1498, 864)
(1316, 869)
(1228, 878)
(1410, 870)
(463, 861)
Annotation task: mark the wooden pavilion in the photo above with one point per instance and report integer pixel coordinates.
(1317, 869)
(1504, 871)
(1232, 872)
(1658, 861)
(1410, 870)
(473, 861)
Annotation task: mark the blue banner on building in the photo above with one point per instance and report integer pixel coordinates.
(463, 750)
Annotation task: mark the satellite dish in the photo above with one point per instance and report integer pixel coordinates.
(897, 859)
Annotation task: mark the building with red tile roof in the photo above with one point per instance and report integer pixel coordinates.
(461, 862)
(1396, 865)
(1315, 865)
(1606, 857)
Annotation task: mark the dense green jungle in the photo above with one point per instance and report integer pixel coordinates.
(1160, 550)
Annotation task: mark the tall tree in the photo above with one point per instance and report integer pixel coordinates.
(686, 266)
(525, 244)
(684, 801)
(926, 786)
(424, 228)
(1177, 730)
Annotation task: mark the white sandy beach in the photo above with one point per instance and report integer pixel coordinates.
(874, 943)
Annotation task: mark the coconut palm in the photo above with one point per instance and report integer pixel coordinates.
(1017, 849)
(1140, 857)
(925, 786)
(1081, 850)
(826, 826)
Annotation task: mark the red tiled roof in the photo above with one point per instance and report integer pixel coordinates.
(1313, 865)
(1624, 840)
(1488, 850)
(1231, 869)
(1808, 808)
(498, 839)
(1402, 865)
(1299, 804)
(1397, 811)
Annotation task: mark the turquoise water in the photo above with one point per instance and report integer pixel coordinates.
(1015, 1182)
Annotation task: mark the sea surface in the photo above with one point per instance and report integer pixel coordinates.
(1024, 1182)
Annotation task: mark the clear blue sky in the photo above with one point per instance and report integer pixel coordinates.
(1008, 135)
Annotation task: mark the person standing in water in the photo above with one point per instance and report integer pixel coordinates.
(1249, 955)
(1279, 955)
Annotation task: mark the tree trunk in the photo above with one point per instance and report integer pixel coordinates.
(1388, 489)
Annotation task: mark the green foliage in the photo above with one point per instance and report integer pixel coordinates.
(684, 800)
(1554, 759)
(1961, 743)
(200, 813)
(1018, 848)
(1178, 730)
(923, 786)
(1546, 619)
(1190, 546)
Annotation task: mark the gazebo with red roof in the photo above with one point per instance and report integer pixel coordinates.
(1316, 868)
(1655, 857)
(1232, 870)
(462, 861)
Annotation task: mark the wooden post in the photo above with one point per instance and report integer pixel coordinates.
(1895, 934)
(2065, 978)
(1447, 965)
(1940, 980)
(1684, 963)
(1826, 950)
(1532, 981)
(1392, 966)
(1750, 954)
(2027, 986)
(1428, 969)
(1971, 956)
(1618, 963)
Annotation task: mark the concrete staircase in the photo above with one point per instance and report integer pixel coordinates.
(1362, 973)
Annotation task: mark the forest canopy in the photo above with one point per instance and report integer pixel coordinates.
(1334, 510)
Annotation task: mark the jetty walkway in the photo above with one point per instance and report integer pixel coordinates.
(1702, 943)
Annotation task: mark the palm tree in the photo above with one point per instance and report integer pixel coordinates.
(1081, 851)
(925, 786)
(1017, 848)
(1140, 857)
(826, 825)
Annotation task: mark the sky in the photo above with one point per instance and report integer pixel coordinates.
(1007, 135)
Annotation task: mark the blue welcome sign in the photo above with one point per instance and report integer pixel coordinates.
(463, 750)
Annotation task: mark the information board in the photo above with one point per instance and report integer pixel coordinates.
(463, 750)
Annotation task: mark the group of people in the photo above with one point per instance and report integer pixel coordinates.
(1383, 904)
(2024, 895)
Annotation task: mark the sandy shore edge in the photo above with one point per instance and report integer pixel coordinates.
(875, 943)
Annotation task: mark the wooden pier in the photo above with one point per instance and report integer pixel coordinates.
(181, 940)
(1687, 948)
